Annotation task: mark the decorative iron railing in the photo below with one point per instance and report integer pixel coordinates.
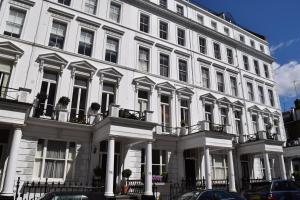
(132, 114)
(137, 187)
(34, 190)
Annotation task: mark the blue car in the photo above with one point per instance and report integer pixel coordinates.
(274, 190)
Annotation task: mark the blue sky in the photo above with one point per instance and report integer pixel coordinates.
(278, 20)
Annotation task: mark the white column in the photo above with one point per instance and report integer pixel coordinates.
(109, 182)
(232, 187)
(180, 165)
(8, 185)
(267, 167)
(282, 166)
(207, 168)
(148, 175)
(216, 113)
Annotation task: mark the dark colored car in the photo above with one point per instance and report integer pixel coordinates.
(210, 195)
(274, 190)
(73, 196)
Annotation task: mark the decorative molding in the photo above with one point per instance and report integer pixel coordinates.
(182, 53)
(108, 28)
(52, 60)
(61, 13)
(164, 47)
(88, 22)
(204, 61)
(82, 66)
(208, 96)
(219, 66)
(232, 71)
(23, 3)
(140, 39)
(143, 82)
(249, 77)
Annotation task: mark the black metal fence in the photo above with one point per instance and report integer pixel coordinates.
(137, 187)
(34, 190)
(178, 189)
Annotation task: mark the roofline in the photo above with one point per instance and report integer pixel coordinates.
(188, 3)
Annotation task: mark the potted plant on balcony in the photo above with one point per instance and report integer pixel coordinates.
(93, 111)
(39, 108)
(126, 173)
(61, 108)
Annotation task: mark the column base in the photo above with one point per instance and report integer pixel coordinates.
(148, 197)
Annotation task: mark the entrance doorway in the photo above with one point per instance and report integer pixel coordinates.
(190, 171)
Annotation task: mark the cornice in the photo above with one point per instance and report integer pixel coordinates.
(186, 22)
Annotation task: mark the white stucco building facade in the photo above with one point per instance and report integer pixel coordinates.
(182, 91)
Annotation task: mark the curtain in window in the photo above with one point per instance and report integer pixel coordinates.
(58, 29)
(86, 37)
(112, 45)
(54, 163)
(143, 60)
(114, 12)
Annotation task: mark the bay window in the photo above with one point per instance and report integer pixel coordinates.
(14, 24)
(54, 159)
(108, 96)
(165, 112)
(79, 98)
(48, 87)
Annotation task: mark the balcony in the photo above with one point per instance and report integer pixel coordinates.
(14, 108)
(261, 135)
(202, 126)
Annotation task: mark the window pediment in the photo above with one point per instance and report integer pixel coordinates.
(143, 82)
(166, 88)
(254, 108)
(83, 68)
(266, 111)
(224, 100)
(238, 104)
(185, 91)
(110, 75)
(208, 97)
(52, 60)
(10, 51)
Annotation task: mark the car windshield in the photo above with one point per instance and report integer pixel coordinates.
(284, 186)
(70, 197)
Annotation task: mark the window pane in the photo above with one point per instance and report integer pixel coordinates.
(114, 13)
(155, 157)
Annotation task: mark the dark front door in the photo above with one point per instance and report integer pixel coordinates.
(190, 171)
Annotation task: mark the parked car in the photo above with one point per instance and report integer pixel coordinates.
(274, 190)
(210, 195)
(73, 196)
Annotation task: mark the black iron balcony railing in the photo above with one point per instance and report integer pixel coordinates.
(132, 114)
(261, 135)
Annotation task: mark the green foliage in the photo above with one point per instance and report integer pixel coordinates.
(126, 173)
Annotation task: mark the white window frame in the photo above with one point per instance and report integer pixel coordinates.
(109, 11)
(184, 38)
(80, 88)
(220, 50)
(159, 30)
(187, 69)
(261, 94)
(149, 22)
(66, 160)
(96, 7)
(232, 87)
(208, 76)
(214, 25)
(223, 75)
(205, 48)
(252, 98)
(114, 37)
